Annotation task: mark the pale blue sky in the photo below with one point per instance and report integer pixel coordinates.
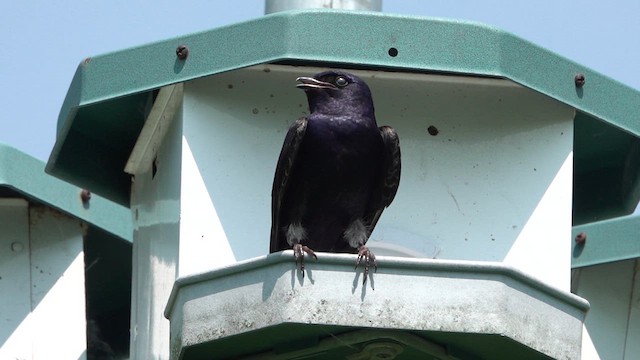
(42, 42)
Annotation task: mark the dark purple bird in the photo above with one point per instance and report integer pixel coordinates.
(336, 173)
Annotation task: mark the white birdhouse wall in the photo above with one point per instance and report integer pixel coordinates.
(486, 167)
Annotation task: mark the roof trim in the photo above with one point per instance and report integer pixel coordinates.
(607, 241)
(344, 38)
(25, 175)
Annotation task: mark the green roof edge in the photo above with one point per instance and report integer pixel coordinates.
(446, 46)
(87, 144)
(25, 175)
(607, 241)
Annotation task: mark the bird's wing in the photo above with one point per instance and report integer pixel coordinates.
(286, 162)
(389, 177)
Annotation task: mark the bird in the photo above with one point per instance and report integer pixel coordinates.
(336, 173)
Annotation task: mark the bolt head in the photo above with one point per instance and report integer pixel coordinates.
(85, 195)
(580, 80)
(182, 52)
(581, 238)
(17, 246)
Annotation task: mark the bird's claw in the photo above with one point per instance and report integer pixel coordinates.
(298, 252)
(369, 259)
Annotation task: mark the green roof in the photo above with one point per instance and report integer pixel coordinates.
(23, 175)
(607, 241)
(111, 95)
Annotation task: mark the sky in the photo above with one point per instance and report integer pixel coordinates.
(42, 42)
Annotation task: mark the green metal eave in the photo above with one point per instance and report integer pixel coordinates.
(21, 174)
(111, 94)
(607, 241)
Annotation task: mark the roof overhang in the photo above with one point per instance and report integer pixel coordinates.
(112, 94)
(22, 175)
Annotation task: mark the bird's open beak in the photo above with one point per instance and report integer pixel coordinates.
(311, 83)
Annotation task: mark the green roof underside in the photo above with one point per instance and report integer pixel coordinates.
(111, 95)
(22, 175)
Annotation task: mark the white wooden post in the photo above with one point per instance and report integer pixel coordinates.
(155, 206)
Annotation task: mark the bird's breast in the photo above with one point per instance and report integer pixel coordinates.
(341, 151)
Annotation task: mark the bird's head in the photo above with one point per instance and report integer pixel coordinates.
(336, 92)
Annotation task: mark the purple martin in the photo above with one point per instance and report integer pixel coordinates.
(336, 173)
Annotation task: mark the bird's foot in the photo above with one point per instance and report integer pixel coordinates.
(367, 258)
(298, 252)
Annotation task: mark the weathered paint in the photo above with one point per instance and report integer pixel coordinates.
(42, 284)
(417, 295)
(15, 284)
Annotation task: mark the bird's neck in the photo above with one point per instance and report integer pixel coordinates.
(352, 110)
(343, 122)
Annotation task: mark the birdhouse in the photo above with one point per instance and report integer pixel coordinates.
(474, 254)
(64, 260)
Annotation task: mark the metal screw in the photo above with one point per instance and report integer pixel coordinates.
(579, 80)
(581, 238)
(85, 195)
(17, 247)
(182, 52)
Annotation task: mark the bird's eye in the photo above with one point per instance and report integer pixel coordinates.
(342, 81)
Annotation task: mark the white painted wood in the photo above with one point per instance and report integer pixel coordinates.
(155, 205)
(203, 242)
(155, 127)
(15, 291)
(43, 295)
(608, 289)
(57, 282)
(588, 350)
(541, 248)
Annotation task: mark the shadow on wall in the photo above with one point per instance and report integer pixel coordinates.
(108, 295)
